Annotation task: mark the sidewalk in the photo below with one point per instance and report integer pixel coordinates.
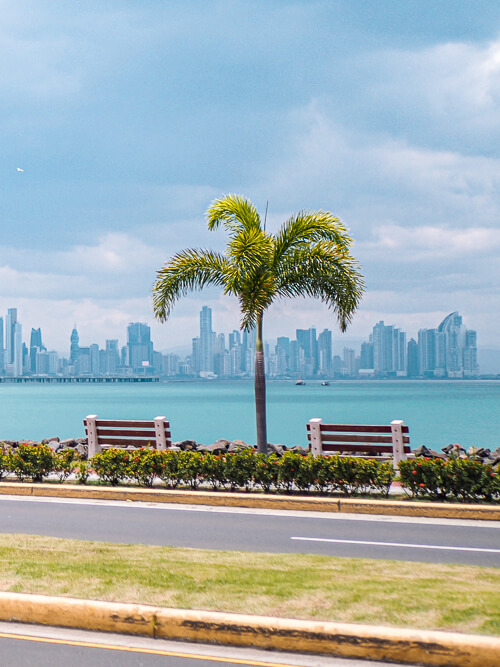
(257, 500)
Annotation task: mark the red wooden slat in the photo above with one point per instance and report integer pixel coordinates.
(368, 439)
(115, 433)
(328, 447)
(120, 441)
(331, 437)
(357, 428)
(123, 423)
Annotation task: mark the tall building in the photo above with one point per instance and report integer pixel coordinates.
(74, 348)
(389, 349)
(139, 346)
(206, 341)
(306, 338)
(14, 343)
(461, 347)
(325, 354)
(412, 356)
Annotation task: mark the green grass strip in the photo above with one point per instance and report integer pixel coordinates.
(420, 595)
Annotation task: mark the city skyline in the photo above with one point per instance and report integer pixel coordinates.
(393, 126)
(446, 351)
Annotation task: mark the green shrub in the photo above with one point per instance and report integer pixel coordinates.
(213, 470)
(167, 468)
(33, 462)
(83, 471)
(112, 465)
(4, 461)
(143, 466)
(65, 463)
(422, 477)
(467, 479)
(458, 478)
(190, 468)
(266, 471)
(240, 468)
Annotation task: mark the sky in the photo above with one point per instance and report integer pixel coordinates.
(128, 118)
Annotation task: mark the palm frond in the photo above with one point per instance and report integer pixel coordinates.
(235, 212)
(309, 227)
(187, 271)
(324, 273)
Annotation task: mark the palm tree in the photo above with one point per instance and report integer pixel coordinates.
(309, 256)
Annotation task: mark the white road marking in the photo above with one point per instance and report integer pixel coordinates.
(396, 544)
(180, 507)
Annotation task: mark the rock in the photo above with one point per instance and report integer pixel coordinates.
(219, 447)
(69, 442)
(242, 444)
(453, 450)
(81, 441)
(82, 449)
(275, 449)
(47, 441)
(186, 445)
(28, 442)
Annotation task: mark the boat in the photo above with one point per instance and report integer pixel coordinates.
(300, 382)
(325, 384)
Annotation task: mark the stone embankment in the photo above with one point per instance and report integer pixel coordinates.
(223, 446)
(220, 447)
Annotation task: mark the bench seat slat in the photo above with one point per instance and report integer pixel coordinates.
(123, 423)
(129, 441)
(358, 438)
(357, 428)
(346, 447)
(126, 433)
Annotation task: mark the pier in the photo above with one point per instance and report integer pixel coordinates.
(73, 380)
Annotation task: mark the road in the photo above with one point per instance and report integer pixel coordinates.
(25, 646)
(274, 531)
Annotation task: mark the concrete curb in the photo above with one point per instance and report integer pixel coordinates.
(263, 501)
(336, 639)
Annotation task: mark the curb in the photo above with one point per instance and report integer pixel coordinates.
(260, 501)
(337, 639)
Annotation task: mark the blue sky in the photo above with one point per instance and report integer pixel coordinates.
(128, 118)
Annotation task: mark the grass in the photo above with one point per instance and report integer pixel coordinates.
(428, 596)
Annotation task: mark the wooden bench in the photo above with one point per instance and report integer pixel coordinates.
(106, 433)
(365, 441)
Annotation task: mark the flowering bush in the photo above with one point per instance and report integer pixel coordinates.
(65, 463)
(33, 462)
(458, 478)
(213, 470)
(266, 471)
(4, 462)
(112, 465)
(240, 469)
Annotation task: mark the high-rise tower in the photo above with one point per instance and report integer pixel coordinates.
(206, 338)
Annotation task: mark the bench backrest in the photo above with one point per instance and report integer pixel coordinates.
(106, 433)
(370, 440)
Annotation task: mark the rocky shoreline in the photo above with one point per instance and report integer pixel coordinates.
(223, 446)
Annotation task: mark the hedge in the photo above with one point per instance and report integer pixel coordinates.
(458, 479)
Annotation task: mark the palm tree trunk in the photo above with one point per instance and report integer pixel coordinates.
(260, 391)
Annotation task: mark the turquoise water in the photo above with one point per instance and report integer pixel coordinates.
(438, 413)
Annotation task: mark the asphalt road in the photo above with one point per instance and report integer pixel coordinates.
(398, 538)
(25, 646)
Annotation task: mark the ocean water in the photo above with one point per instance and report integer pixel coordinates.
(437, 412)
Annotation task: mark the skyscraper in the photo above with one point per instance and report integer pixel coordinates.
(206, 339)
(75, 348)
(14, 343)
(139, 345)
